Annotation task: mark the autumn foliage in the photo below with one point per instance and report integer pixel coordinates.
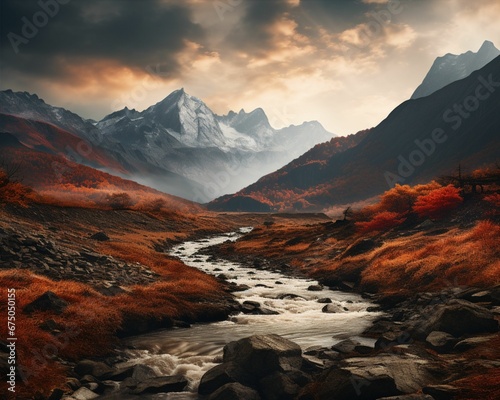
(382, 221)
(397, 204)
(438, 202)
(53, 180)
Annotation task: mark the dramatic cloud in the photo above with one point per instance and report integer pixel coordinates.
(346, 64)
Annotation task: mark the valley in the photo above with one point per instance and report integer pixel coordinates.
(178, 252)
(345, 296)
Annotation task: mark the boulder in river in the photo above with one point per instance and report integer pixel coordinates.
(278, 386)
(334, 308)
(142, 372)
(409, 372)
(161, 384)
(325, 300)
(221, 375)
(250, 360)
(342, 384)
(234, 391)
(261, 355)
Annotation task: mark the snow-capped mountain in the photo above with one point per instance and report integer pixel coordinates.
(254, 129)
(253, 125)
(179, 145)
(451, 68)
(183, 119)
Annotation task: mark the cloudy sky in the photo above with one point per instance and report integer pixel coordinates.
(345, 63)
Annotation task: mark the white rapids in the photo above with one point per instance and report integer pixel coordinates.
(193, 351)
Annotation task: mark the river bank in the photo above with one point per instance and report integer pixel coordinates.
(432, 346)
(277, 244)
(441, 313)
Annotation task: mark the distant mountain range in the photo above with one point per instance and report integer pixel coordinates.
(178, 145)
(451, 68)
(420, 140)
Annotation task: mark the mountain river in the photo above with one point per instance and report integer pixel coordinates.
(193, 351)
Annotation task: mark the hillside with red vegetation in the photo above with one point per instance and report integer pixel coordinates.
(44, 137)
(62, 182)
(290, 187)
(416, 238)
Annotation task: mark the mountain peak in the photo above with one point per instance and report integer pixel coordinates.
(451, 67)
(487, 45)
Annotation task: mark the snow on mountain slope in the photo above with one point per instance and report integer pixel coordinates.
(181, 138)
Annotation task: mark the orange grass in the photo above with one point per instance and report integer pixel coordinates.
(431, 263)
(402, 263)
(87, 327)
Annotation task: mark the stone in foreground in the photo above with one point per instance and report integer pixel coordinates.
(162, 384)
(261, 355)
(235, 391)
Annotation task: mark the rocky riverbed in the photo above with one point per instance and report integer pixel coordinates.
(423, 347)
(428, 346)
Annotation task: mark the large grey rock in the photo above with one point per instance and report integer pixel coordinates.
(410, 373)
(342, 384)
(48, 301)
(261, 355)
(234, 391)
(278, 386)
(120, 374)
(221, 375)
(161, 384)
(143, 372)
(457, 317)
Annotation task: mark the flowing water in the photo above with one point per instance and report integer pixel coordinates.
(191, 352)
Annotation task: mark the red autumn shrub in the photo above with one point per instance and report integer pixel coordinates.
(438, 202)
(382, 221)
